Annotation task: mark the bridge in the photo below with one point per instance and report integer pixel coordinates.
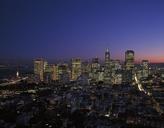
(13, 82)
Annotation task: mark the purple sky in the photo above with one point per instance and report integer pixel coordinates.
(60, 29)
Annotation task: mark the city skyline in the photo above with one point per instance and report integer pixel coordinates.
(68, 60)
(68, 29)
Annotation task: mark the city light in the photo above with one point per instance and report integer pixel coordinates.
(82, 64)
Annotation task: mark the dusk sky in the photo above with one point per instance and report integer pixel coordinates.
(62, 29)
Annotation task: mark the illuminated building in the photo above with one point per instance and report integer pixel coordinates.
(63, 73)
(17, 74)
(76, 68)
(101, 76)
(55, 73)
(117, 78)
(116, 67)
(128, 74)
(86, 68)
(95, 67)
(47, 72)
(45, 65)
(39, 68)
(107, 57)
(51, 72)
(139, 74)
(145, 68)
(107, 68)
(95, 64)
(129, 60)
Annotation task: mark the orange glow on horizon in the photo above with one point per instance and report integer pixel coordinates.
(151, 59)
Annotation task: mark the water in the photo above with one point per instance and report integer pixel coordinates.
(8, 72)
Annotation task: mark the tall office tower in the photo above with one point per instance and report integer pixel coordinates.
(39, 68)
(128, 76)
(145, 68)
(116, 68)
(76, 68)
(107, 68)
(86, 68)
(48, 69)
(117, 65)
(95, 68)
(129, 60)
(63, 73)
(54, 75)
(46, 66)
(114, 65)
(107, 57)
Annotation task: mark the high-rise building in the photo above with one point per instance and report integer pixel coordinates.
(117, 78)
(39, 68)
(63, 73)
(45, 65)
(107, 57)
(76, 68)
(54, 75)
(145, 68)
(128, 73)
(48, 69)
(115, 65)
(107, 68)
(86, 68)
(95, 68)
(116, 68)
(95, 64)
(129, 60)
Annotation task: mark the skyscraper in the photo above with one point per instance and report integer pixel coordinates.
(116, 73)
(145, 68)
(107, 68)
(95, 68)
(76, 68)
(63, 73)
(107, 57)
(55, 76)
(128, 73)
(129, 60)
(86, 68)
(39, 68)
(95, 64)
